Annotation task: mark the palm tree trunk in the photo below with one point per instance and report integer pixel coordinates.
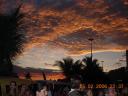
(44, 76)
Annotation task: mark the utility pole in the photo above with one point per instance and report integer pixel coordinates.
(91, 39)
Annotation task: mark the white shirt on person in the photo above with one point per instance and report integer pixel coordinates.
(49, 93)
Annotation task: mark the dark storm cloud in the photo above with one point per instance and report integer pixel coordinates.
(119, 37)
(95, 9)
(69, 23)
(80, 35)
(7, 6)
(52, 21)
(44, 26)
(119, 7)
(56, 4)
(59, 28)
(78, 41)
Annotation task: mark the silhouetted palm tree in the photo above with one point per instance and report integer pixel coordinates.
(70, 68)
(11, 40)
(28, 75)
(92, 72)
(44, 76)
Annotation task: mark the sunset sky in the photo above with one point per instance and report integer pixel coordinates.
(59, 28)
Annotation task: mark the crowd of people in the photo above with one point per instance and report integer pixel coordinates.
(49, 89)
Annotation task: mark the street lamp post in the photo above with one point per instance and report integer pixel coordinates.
(91, 39)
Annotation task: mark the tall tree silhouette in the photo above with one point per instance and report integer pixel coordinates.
(11, 40)
(28, 75)
(70, 68)
(44, 76)
(92, 72)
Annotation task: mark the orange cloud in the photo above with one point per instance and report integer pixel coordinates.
(52, 26)
(67, 24)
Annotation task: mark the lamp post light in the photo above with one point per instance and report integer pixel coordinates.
(91, 39)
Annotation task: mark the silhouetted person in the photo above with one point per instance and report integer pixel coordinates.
(49, 90)
(28, 75)
(101, 93)
(124, 91)
(75, 88)
(42, 90)
(12, 89)
(65, 91)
